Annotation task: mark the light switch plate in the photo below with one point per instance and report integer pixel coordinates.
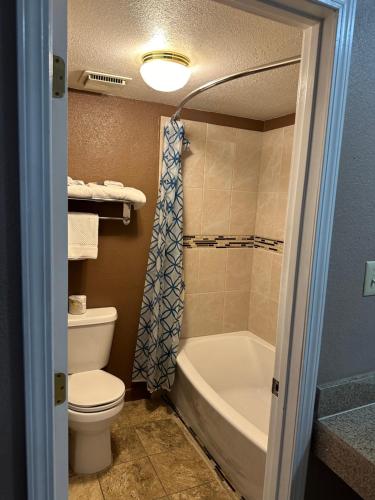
(369, 283)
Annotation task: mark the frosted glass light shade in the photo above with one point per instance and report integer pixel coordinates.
(165, 75)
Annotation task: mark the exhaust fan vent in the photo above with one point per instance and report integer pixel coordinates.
(93, 80)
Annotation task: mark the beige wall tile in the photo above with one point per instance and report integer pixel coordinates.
(242, 212)
(235, 182)
(261, 271)
(203, 314)
(249, 138)
(247, 163)
(193, 202)
(196, 132)
(236, 311)
(193, 167)
(191, 267)
(280, 216)
(216, 207)
(286, 159)
(277, 261)
(220, 159)
(220, 133)
(263, 317)
(271, 160)
(238, 275)
(265, 217)
(212, 268)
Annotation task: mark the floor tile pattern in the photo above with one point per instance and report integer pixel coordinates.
(154, 457)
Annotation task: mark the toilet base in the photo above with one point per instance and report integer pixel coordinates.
(90, 440)
(90, 453)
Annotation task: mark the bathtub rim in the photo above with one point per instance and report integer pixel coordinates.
(238, 421)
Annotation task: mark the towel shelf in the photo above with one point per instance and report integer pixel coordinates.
(100, 200)
(126, 207)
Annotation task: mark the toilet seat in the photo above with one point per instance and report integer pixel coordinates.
(94, 391)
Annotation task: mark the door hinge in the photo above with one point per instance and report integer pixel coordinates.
(275, 387)
(60, 388)
(58, 79)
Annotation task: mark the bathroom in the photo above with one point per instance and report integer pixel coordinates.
(201, 173)
(235, 177)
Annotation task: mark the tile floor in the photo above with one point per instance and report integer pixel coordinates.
(154, 456)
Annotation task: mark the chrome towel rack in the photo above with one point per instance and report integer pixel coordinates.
(126, 210)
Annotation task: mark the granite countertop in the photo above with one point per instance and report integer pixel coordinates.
(345, 442)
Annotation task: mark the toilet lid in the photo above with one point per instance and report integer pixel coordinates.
(93, 389)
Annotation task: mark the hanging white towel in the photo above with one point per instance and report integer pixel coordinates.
(78, 191)
(82, 236)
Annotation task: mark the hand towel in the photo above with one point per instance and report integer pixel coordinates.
(82, 236)
(113, 183)
(78, 191)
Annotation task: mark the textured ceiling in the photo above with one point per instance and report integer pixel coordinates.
(111, 36)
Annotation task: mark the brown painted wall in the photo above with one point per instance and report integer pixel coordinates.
(116, 138)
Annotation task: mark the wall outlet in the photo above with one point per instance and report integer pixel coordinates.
(369, 283)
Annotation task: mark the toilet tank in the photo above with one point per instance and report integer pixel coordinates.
(90, 338)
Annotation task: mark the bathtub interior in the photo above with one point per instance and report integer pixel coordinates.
(238, 367)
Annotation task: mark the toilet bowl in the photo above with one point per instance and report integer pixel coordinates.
(95, 397)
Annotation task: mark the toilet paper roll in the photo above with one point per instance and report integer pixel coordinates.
(77, 304)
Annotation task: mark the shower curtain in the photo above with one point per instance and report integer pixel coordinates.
(162, 306)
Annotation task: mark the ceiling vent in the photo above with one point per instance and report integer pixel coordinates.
(103, 82)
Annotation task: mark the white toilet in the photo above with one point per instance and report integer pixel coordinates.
(95, 396)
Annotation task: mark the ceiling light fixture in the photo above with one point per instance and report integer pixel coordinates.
(165, 71)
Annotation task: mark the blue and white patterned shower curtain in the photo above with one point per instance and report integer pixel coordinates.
(162, 306)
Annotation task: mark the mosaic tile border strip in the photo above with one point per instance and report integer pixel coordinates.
(219, 241)
(233, 241)
(268, 244)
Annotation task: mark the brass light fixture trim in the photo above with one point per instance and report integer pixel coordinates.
(166, 55)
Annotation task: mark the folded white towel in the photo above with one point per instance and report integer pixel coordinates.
(113, 183)
(78, 191)
(75, 182)
(135, 196)
(98, 190)
(132, 195)
(82, 236)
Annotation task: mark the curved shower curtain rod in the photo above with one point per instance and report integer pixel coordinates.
(246, 72)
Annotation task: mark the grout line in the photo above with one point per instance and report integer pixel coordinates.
(157, 475)
(101, 489)
(192, 487)
(204, 176)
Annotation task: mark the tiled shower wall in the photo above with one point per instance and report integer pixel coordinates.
(235, 190)
(270, 223)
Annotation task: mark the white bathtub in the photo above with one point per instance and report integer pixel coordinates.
(223, 392)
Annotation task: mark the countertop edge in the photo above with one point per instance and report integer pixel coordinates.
(344, 460)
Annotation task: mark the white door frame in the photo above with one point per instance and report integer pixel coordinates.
(328, 26)
(328, 31)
